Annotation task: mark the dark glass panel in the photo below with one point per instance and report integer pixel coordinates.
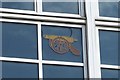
(61, 7)
(19, 40)
(19, 70)
(109, 8)
(109, 73)
(22, 5)
(50, 54)
(51, 71)
(109, 47)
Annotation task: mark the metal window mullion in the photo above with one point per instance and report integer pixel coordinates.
(93, 55)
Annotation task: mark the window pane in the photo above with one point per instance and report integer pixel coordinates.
(55, 48)
(107, 73)
(50, 71)
(109, 47)
(19, 40)
(109, 8)
(0, 70)
(19, 70)
(61, 7)
(0, 38)
(17, 4)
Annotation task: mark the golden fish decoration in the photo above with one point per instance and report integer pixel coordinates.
(62, 44)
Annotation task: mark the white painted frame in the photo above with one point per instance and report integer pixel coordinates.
(23, 60)
(63, 14)
(103, 17)
(94, 70)
(66, 63)
(20, 10)
(106, 66)
(39, 61)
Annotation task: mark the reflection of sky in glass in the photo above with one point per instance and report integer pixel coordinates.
(52, 71)
(0, 49)
(19, 70)
(49, 54)
(19, 5)
(109, 43)
(19, 40)
(109, 0)
(0, 70)
(61, 7)
(107, 73)
(0, 38)
(109, 9)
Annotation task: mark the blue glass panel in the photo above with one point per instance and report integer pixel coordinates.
(19, 70)
(50, 71)
(22, 5)
(0, 70)
(0, 38)
(61, 7)
(50, 54)
(107, 73)
(109, 47)
(109, 9)
(19, 40)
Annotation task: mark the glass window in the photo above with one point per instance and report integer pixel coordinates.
(0, 70)
(109, 8)
(19, 70)
(109, 73)
(52, 71)
(109, 47)
(19, 40)
(18, 4)
(57, 44)
(65, 6)
(0, 38)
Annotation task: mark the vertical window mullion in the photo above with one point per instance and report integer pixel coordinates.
(40, 51)
(93, 56)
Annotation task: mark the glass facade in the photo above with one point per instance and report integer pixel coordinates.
(107, 73)
(51, 71)
(49, 39)
(50, 54)
(109, 8)
(20, 5)
(19, 70)
(61, 7)
(109, 43)
(19, 40)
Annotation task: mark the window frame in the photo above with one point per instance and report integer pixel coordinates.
(104, 17)
(80, 5)
(21, 10)
(64, 63)
(21, 60)
(105, 66)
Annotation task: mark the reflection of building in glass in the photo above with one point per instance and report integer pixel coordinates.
(59, 39)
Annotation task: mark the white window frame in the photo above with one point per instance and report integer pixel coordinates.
(64, 63)
(20, 10)
(106, 66)
(104, 17)
(14, 59)
(40, 10)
